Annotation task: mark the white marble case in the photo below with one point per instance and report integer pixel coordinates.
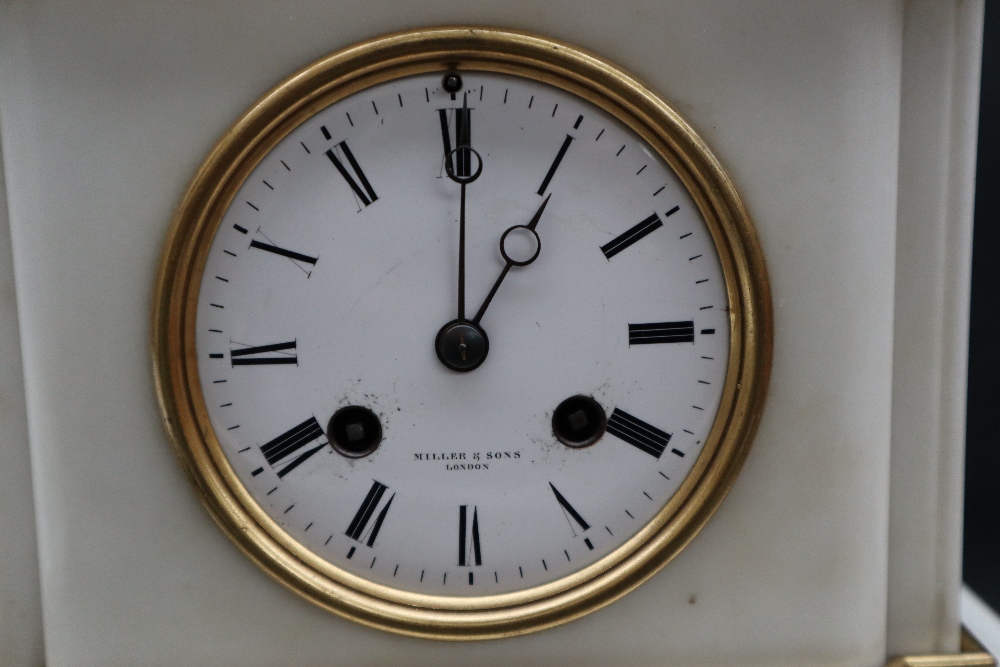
(849, 130)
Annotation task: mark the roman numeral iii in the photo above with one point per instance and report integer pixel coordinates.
(638, 433)
(258, 355)
(285, 453)
(468, 537)
(364, 191)
(357, 529)
(660, 332)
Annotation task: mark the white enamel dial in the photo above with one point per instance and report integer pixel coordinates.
(336, 266)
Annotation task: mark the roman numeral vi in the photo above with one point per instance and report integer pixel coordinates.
(468, 534)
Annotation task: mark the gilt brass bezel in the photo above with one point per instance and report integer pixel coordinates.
(333, 78)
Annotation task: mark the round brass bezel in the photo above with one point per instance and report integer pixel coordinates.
(458, 49)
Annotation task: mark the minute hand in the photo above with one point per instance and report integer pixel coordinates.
(503, 274)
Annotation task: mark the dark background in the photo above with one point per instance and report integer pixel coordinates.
(981, 557)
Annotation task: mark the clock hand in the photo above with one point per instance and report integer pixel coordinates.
(460, 345)
(458, 163)
(510, 261)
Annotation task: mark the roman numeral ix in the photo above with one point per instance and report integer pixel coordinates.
(282, 252)
(465, 532)
(286, 450)
(364, 191)
(257, 356)
(660, 332)
(356, 531)
(638, 433)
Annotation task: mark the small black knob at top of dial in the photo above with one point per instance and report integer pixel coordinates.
(452, 82)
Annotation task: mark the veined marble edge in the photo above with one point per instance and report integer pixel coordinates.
(936, 198)
(31, 645)
(966, 77)
(21, 641)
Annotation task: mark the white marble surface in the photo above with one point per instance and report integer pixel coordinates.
(106, 109)
(20, 599)
(940, 101)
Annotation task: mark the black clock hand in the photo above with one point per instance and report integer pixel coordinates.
(511, 262)
(461, 257)
(458, 165)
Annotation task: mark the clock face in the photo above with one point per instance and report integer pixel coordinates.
(461, 333)
(346, 372)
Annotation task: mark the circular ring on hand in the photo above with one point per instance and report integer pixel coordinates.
(513, 262)
(451, 170)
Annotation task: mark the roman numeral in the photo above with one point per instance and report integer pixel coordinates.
(570, 512)
(356, 531)
(290, 254)
(285, 449)
(253, 356)
(462, 164)
(465, 531)
(555, 164)
(367, 194)
(660, 332)
(638, 433)
(633, 234)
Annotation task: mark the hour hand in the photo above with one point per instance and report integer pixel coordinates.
(516, 256)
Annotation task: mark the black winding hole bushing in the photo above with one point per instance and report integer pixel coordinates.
(579, 421)
(354, 431)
